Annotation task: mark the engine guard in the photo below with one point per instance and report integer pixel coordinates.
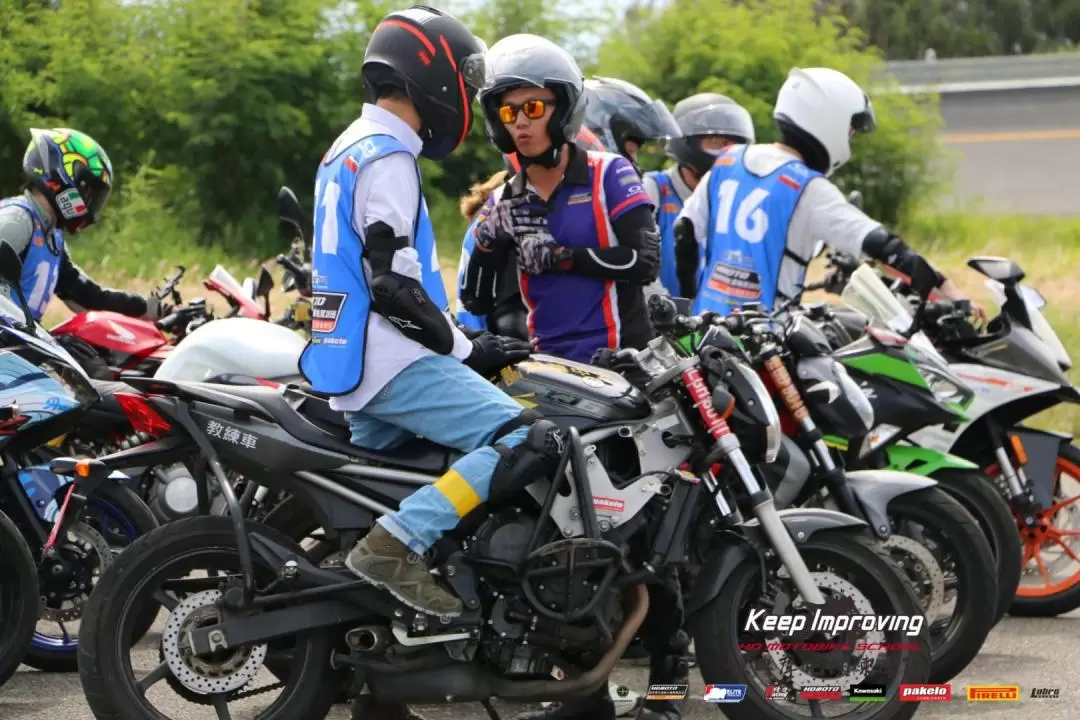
(801, 523)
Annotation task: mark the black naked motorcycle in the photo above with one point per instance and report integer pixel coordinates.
(553, 578)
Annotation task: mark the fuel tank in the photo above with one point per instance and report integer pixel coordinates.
(573, 394)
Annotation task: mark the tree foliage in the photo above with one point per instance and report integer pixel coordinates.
(206, 107)
(693, 46)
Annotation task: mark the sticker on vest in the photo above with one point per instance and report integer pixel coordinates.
(70, 203)
(325, 311)
(737, 279)
(578, 198)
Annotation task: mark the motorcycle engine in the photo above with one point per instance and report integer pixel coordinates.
(519, 640)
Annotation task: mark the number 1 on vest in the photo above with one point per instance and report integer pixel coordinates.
(751, 221)
(326, 199)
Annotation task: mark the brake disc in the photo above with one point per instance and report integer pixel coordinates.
(221, 672)
(88, 541)
(861, 661)
(922, 568)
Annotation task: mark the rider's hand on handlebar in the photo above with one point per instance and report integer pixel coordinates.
(949, 290)
(156, 307)
(623, 362)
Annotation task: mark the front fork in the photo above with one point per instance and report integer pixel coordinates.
(761, 499)
(1018, 487)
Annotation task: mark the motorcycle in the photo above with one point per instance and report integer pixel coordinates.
(910, 387)
(18, 595)
(932, 537)
(44, 392)
(552, 577)
(1017, 370)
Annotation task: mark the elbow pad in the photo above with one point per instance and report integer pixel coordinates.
(401, 299)
(880, 244)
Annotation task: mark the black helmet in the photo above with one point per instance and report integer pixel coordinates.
(532, 61)
(72, 172)
(437, 62)
(619, 112)
(707, 114)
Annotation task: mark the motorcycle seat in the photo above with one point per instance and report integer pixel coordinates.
(310, 420)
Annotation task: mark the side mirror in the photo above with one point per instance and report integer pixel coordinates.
(290, 216)
(265, 285)
(856, 199)
(11, 275)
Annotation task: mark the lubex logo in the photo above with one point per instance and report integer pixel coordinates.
(993, 693)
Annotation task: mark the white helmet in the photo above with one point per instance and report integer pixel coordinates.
(826, 106)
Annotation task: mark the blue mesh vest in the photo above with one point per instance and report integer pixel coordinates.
(747, 232)
(41, 261)
(670, 206)
(466, 318)
(333, 361)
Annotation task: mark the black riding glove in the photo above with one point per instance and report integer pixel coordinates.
(625, 363)
(491, 353)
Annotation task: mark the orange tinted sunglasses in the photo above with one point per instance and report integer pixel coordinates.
(533, 109)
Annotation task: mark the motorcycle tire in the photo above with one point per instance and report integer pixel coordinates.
(717, 628)
(977, 494)
(18, 598)
(127, 504)
(1064, 596)
(109, 682)
(975, 570)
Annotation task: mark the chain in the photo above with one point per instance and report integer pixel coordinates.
(258, 691)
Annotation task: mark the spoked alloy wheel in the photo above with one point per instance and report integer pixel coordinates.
(1050, 566)
(285, 679)
(856, 577)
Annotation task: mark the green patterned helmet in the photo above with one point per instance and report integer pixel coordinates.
(72, 172)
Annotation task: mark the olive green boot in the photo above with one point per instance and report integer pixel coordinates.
(386, 562)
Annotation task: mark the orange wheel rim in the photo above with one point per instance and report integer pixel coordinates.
(1046, 536)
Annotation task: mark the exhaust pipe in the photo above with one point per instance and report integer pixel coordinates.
(463, 682)
(368, 639)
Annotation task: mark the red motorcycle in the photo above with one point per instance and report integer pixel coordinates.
(108, 343)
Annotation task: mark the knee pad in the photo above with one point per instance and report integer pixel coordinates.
(535, 458)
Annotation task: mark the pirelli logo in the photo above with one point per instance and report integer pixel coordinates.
(993, 693)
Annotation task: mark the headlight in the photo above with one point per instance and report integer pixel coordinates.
(773, 435)
(854, 395)
(944, 389)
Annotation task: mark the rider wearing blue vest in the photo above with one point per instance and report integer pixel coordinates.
(709, 124)
(382, 347)
(747, 233)
(68, 181)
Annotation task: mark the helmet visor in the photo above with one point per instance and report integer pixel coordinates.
(865, 121)
(474, 69)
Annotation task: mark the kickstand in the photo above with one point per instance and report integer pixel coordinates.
(491, 711)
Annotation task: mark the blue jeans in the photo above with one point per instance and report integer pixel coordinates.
(439, 399)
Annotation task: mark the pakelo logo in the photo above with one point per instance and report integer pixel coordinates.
(71, 204)
(821, 692)
(1046, 693)
(993, 693)
(609, 504)
(725, 693)
(925, 693)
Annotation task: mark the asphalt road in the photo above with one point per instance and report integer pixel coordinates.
(1016, 150)
(1028, 653)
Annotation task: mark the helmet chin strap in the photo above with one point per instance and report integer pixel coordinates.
(547, 159)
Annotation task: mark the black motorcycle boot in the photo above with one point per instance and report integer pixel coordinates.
(669, 667)
(597, 706)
